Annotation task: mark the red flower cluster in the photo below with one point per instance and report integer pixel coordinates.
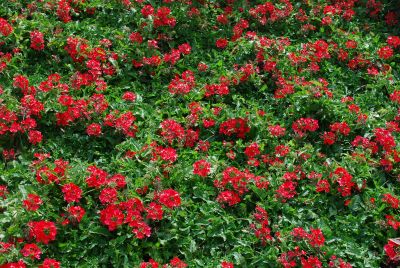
(235, 126)
(37, 41)
(33, 202)
(112, 217)
(163, 18)
(344, 179)
(391, 200)
(182, 85)
(72, 192)
(169, 198)
(233, 178)
(172, 130)
(392, 250)
(5, 28)
(261, 229)
(315, 238)
(303, 125)
(201, 168)
(32, 251)
(216, 89)
(42, 231)
(174, 263)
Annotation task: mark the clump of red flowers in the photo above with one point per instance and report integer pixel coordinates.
(304, 125)
(201, 168)
(235, 126)
(37, 40)
(33, 202)
(183, 84)
(42, 231)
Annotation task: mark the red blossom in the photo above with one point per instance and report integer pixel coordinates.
(42, 231)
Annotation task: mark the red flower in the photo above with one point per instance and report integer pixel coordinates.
(50, 263)
(154, 211)
(393, 41)
(76, 213)
(287, 190)
(150, 264)
(5, 28)
(316, 238)
(391, 200)
(323, 186)
(390, 250)
(172, 130)
(112, 217)
(385, 52)
(35, 136)
(229, 197)
(37, 41)
(201, 168)
(177, 263)
(182, 85)
(170, 198)
(136, 37)
(303, 125)
(72, 192)
(345, 181)
(185, 48)
(167, 154)
(33, 202)
(147, 10)
(93, 130)
(108, 195)
(63, 11)
(226, 264)
(32, 251)
(221, 43)
(42, 231)
(277, 130)
(129, 96)
(329, 138)
(234, 126)
(252, 150)
(97, 178)
(207, 123)
(118, 180)
(140, 229)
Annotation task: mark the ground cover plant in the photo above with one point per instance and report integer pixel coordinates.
(143, 133)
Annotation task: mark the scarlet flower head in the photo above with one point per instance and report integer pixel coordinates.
(235, 126)
(201, 168)
(221, 43)
(50, 263)
(33, 202)
(94, 129)
(385, 52)
(112, 217)
(169, 198)
(303, 125)
(76, 213)
(37, 41)
(229, 197)
(72, 192)
(108, 196)
(35, 137)
(5, 28)
(154, 211)
(32, 251)
(129, 96)
(42, 231)
(177, 263)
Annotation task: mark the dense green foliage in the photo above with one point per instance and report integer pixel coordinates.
(204, 133)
